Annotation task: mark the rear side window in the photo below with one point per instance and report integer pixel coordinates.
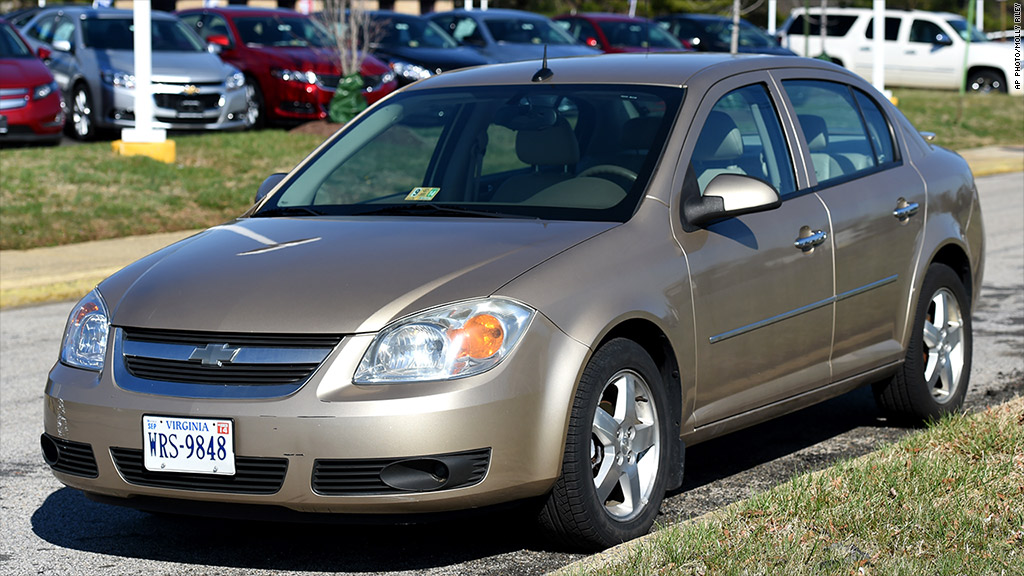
(835, 25)
(846, 132)
(892, 29)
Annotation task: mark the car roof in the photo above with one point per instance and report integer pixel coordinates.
(688, 16)
(90, 12)
(606, 17)
(654, 69)
(493, 12)
(245, 11)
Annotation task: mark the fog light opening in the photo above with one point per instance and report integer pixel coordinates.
(51, 452)
(420, 475)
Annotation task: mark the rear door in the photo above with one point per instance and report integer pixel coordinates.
(877, 207)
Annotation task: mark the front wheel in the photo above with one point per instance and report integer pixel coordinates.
(936, 370)
(616, 458)
(82, 126)
(254, 109)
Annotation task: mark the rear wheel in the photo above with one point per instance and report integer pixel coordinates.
(615, 464)
(985, 81)
(933, 379)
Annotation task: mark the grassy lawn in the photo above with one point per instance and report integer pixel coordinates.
(54, 196)
(987, 119)
(947, 500)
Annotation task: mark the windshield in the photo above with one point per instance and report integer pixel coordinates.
(119, 34)
(638, 35)
(282, 31)
(965, 30)
(413, 33)
(554, 152)
(11, 46)
(527, 31)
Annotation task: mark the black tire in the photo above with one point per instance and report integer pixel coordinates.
(81, 122)
(986, 82)
(936, 370)
(574, 513)
(255, 113)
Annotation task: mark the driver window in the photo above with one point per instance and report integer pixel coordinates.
(742, 135)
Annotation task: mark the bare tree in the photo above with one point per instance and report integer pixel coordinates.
(349, 25)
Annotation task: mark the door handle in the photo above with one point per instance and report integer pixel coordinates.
(904, 210)
(808, 239)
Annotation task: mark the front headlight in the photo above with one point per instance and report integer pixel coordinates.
(40, 92)
(235, 80)
(119, 78)
(410, 71)
(294, 76)
(453, 341)
(85, 336)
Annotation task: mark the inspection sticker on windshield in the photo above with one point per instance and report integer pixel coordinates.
(422, 194)
(197, 445)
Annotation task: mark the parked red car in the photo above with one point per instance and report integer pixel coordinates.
(30, 101)
(614, 33)
(291, 66)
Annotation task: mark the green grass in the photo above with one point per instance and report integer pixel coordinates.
(947, 500)
(52, 196)
(987, 119)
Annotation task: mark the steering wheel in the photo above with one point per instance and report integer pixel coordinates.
(610, 169)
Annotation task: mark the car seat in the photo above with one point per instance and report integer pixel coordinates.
(552, 152)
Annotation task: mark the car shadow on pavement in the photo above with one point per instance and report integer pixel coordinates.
(70, 520)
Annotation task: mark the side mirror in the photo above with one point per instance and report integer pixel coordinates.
(943, 40)
(591, 41)
(63, 46)
(729, 195)
(269, 184)
(44, 54)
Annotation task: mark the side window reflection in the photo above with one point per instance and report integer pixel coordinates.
(846, 132)
(742, 135)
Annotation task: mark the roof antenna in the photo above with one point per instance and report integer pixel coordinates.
(544, 73)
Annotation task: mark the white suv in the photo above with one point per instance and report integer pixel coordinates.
(922, 49)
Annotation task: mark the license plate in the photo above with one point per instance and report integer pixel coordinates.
(197, 445)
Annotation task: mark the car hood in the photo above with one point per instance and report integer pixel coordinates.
(320, 60)
(507, 52)
(24, 72)
(436, 58)
(329, 275)
(174, 67)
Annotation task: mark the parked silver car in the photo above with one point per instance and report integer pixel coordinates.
(572, 273)
(92, 59)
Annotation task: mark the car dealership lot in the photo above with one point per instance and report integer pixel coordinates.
(51, 529)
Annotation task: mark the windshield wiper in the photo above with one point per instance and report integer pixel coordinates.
(289, 211)
(436, 210)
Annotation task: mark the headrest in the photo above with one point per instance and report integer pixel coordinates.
(720, 139)
(638, 133)
(552, 146)
(815, 131)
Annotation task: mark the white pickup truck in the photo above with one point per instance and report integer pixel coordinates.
(922, 49)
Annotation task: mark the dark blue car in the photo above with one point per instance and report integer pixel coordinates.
(416, 48)
(510, 35)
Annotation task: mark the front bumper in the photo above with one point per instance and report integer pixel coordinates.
(22, 120)
(178, 107)
(509, 423)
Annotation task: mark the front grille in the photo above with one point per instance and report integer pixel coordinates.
(184, 103)
(216, 364)
(329, 80)
(195, 338)
(228, 374)
(363, 477)
(252, 475)
(75, 458)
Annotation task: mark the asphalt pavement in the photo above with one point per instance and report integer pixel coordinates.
(68, 272)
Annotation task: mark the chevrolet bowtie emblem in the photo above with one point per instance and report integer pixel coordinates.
(190, 90)
(214, 354)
